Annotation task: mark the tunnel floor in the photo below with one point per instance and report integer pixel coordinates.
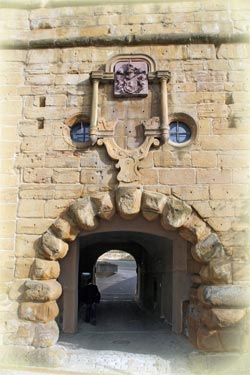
(126, 339)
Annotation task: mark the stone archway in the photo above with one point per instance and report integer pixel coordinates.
(216, 306)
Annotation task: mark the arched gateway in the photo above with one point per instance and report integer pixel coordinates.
(215, 306)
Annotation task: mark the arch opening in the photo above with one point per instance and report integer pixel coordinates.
(161, 278)
(116, 276)
(195, 247)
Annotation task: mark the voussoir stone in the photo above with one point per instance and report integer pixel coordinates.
(105, 204)
(45, 334)
(83, 213)
(152, 204)
(128, 200)
(218, 271)
(194, 229)
(38, 312)
(221, 318)
(45, 269)
(65, 228)
(42, 291)
(52, 247)
(208, 249)
(176, 212)
(228, 295)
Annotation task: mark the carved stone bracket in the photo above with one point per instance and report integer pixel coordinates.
(128, 159)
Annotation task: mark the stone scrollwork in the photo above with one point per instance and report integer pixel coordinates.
(128, 159)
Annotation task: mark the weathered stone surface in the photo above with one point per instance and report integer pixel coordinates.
(52, 247)
(128, 201)
(193, 322)
(194, 229)
(53, 356)
(208, 249)
(105, 204)
(23, 267)
(83, 212)
(17, 289)
(241, 271)
(42, 291)
(15, 354)
(23, 336)
(45, 269)
(45, 334)
(38, 312)
(65, 228)
(229, 295)
(221, 318)
(152, 204)
(228, 340)
(208, 340)
(25, 246)
(175, 212)
(233, 340)
(218, 271)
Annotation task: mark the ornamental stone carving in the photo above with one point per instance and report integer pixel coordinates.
(130, 76)
(131, 79)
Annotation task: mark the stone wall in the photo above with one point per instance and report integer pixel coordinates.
(47, 55)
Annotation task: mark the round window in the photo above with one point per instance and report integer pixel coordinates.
(179, 132)
(79, 132)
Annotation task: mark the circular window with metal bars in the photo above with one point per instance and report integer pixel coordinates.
(79, 132)
(182, 130)
(179, 132)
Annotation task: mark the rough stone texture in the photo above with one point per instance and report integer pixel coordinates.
(152, 204)
(218, 271)
(240, 271)
(53, 356)
(23, 336)
(16, 290)
(194, 229)
(175, 212)
(221, 318)
(227, 340)
(45, 269)
(83, 212)
(38, 312)
(65, 228)
(208, 249)
(128, 201)
(52, 247)
(105, 205)
(42, 291)
(45, 335)
(228, 295)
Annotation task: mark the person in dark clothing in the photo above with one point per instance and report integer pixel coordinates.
(90, 296)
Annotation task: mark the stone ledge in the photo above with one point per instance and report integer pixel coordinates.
(130, 40)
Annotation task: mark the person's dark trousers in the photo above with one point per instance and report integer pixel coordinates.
(91, 313)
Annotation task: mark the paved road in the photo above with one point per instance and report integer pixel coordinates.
(121, 285)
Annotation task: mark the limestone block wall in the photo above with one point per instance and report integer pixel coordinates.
(48, 51)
